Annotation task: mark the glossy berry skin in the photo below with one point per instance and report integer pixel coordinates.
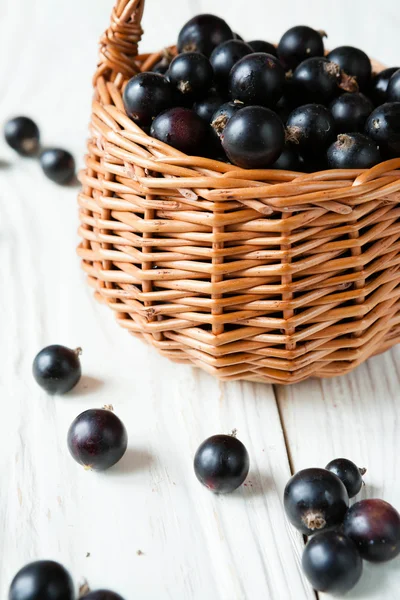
(254, 138)
(102, 595)
(289, 160)
(206, 107)
(192, 74)
(145, 96)
(58, 165)
(353, 61)
(161, 67)
(203, 33)
(331, 563)
(374, 526)
(22, 134)
(393, 91)
(42, 580)
(348, 473)
(353, 151)
(379, 85)
(350, 112)
(182, 129)
(221, 463)
(222, 116)
(316, 80)
(97, 439)
(383, 126)
(224, 57)
(261, 46)
(315, 499)
(299, 43)
(257, 79)
(57, 369)
(311, 128)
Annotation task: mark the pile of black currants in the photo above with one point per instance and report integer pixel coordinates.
(256, 106)
(317, 503)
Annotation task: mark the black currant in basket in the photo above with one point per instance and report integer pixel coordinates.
(354, 62)
(207, 106)
(257, 79)
(350, 112)
(254, 138)
(102, 595)
(58, 165)
(222, 116)
(261, 46)
(203, 33)
(311, 128)
(289, 160)
(97, 439)
(162, 66)
(22, 134)
(146, 95)
(379, 85)
(353, 151)
(182, 129)
(42, 580)
(192, 74)
(349, 473)
(224, 57)
(299, 43)
(383, 126)
(57, 369)
(315, 499)
(222, 463)
(374, 526)
(331, 562)
(393, 91)
(320, 80)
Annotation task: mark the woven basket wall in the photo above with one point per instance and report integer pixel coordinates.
(261, 275)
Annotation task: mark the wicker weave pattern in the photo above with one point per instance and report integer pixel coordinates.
(260, 275)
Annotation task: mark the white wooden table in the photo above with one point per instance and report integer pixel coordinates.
(195, 545)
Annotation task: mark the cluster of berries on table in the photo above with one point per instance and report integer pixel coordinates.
(290, 107)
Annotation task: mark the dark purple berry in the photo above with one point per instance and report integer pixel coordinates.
(42, 580)
(353, 151)
(203, 33)
(354, 62)
(147, 95)
(319, 80)
(206, 107)
(374, 526)
(349, 473)
(97, 439)
(192, 74)
(315, 499)
(350, 112)
(102, 595)
(57, 369)
(58, 165)
(379, 85)
(254, 137)
(393, 91)
(299, 43)
(261, 46)
(221, 118)
(383, 126)
(22, 134)
(182, 129)
(257, 79)
(289, 160)
(224, 57)
(332, 563)
(221, 463)
(311, 128)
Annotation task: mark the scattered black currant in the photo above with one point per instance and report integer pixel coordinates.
(203, 33)
(350, 112)
(379, 85)
(221, 463)
(354, 62)
(311, 128)
(315, 499)
(374, 526)
(261, 46)
(289, 160)
(192, 74)
(353, 151)
(221, 117)
(349, 473)
(393, 91)
(42, 580)
(102, 595)
(224, 57)
(299, 43)
(206, 107)
(182, 129)
(97, 439)
(257, 79)
(383, 126)
(254, 137)
(22, 134)
(320, 80)
(58, 165)
(146, 95)
(57, 369)
(331, 562)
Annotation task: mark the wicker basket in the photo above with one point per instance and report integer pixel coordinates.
(261, 275)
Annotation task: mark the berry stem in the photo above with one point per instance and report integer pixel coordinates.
(314, 520)
(78, 351)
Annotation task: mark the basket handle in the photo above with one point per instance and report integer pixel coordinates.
(119, 44)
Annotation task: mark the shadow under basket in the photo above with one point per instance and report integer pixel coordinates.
(261, 275)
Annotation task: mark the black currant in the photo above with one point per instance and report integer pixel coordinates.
(319, 80)
(42, 580)
(261, 46)
(349, 473)
(315, 499)
(311, 128)
(374, 526)
(257, 79)
(350, 112)
(147, 95)
(284, 107)
(299, 43)
(224, 57)
(379, 85)
(383, 126)
(353, 151)
(22, 134)
(354, 62)
(57, 369)
(331, 562)
(97, 439)
(289, 160)
(102, 595)
(254, 137)
(58, 165)
(203, 33)
(206, 107)
(393, 91)
(222, 116)
(221, 463)
(162, 66)
(192, 74)
(182, 129)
